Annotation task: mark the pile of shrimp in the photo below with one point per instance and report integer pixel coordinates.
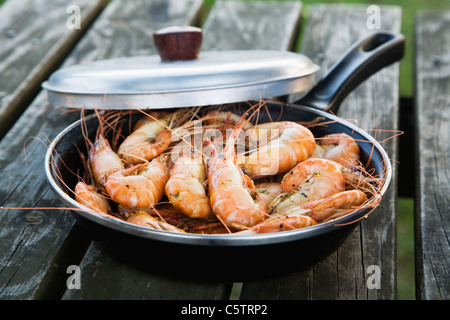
(209, 171)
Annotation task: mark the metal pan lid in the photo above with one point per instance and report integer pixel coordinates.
(214, 77)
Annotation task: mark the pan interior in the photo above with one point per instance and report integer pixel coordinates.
(65, 164)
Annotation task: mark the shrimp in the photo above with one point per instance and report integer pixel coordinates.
(310, 180)
(103, 161)
(151, 115)
(268, 191)
(88, 197)
(140, 186)
(339, 147)
(291, 220)
(322, 209)
(309, 214)
(220, 124)
(224, 120)
(150, 139)
(185, 187)
(144, 219)
(320, 172)
(233, 196)
(286, 145)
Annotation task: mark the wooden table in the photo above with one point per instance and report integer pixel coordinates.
(432, 147)
(37, 246)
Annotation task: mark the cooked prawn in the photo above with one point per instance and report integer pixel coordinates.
(322, 209)
(310, 180)
(185, 187)
(88, 197)
(150, 139)
(268, 191)
(225, 120)
(103, 161)
(339, 147)
(149, 117)
(281, 146)
(234, 199)
(144, 219)
(308, 214)
(291, 220)
(140, 186)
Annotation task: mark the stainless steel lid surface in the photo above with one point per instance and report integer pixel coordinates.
(215, 77)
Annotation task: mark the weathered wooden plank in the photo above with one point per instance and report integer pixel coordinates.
(252, 25)
(31, 50)
(432, 203)
(105, 275)
(330, 31)
(33, 245)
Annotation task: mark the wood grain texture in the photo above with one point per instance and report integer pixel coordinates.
(33, 251)
(31, 50)
(330, 31)
(233, 25)
(106, 276)
(432, 207)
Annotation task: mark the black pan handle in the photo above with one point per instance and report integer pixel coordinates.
(362, 60)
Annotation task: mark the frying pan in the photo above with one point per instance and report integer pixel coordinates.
(241, 255)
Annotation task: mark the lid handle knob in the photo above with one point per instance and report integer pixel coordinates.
(178, 42)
